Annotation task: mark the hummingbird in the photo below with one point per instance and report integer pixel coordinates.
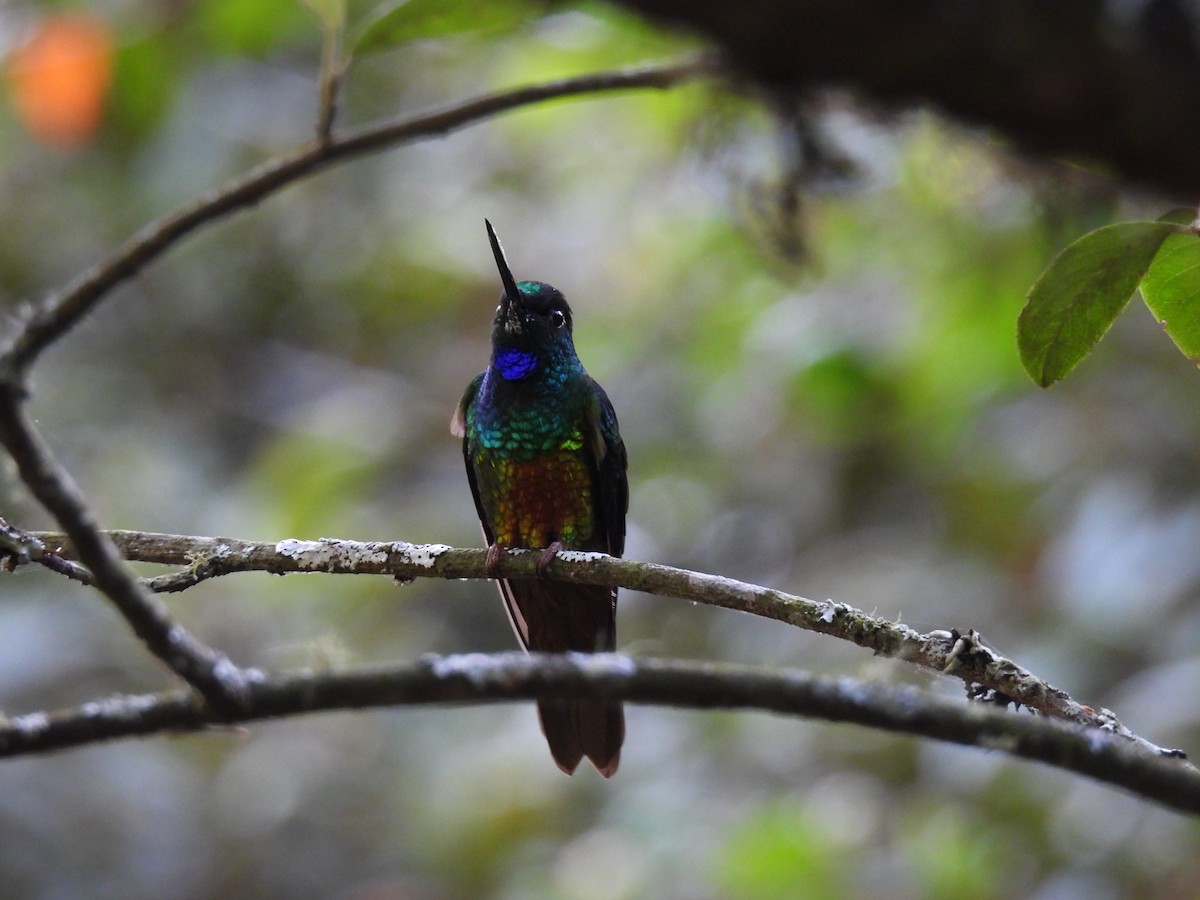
(546, 465)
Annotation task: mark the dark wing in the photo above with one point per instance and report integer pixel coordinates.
(458, 427)
(611, 461)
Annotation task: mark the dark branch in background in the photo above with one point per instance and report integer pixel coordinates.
(1114, 83)
(210, 672)
(962, 656)
(479, 678)
(63, 309)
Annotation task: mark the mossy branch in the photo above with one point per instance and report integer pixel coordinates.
(953, 653)
(483, 678)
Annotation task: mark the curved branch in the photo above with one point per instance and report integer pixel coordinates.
(481, 678)
(208, 671)
(963, 655)
(61, 310)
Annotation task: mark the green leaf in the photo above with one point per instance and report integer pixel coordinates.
(1171, 289)
(1075, 301)
(1180, 215)
(396, 22)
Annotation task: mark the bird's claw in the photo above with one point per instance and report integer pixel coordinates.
(546, 557)
(492, 563)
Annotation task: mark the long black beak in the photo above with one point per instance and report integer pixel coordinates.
(511, 294)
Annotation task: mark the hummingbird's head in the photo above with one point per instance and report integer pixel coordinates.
(533, 321)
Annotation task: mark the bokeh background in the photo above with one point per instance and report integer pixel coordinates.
(818, 384)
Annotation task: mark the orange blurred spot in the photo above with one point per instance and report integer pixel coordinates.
(58, 79)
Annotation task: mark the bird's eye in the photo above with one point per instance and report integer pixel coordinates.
(557, 319)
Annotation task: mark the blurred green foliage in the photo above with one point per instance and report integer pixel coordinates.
(857, 427)
(782, 853)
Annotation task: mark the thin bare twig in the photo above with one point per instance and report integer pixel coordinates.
(210, 672)
(331, 82)
(480, 678)
(63, 309)
(333, 67)
(20, 547)
(961, 655)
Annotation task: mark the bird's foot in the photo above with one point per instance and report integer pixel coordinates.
(492, 563)
(546, 557)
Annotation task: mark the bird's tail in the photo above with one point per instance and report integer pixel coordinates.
(578, 728)
(559, 618)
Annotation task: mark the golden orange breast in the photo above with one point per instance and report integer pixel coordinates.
(532, 503)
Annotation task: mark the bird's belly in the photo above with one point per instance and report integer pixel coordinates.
(532, 503)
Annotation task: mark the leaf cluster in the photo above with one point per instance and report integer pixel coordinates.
(1079, 296)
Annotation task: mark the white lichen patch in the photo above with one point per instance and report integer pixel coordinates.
(478, 668)
(311, 555)
(291, 547)
(424, 556)
(324, 555)
(579, 556)
(124, 708)
(140, 703)
(1097, 739)
(860, 693)
(227, 672)
(830, 610)
(1109, 721)
(603, 663)
(30, 723)
(373, 554)
(334, 555)
(353, 556)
